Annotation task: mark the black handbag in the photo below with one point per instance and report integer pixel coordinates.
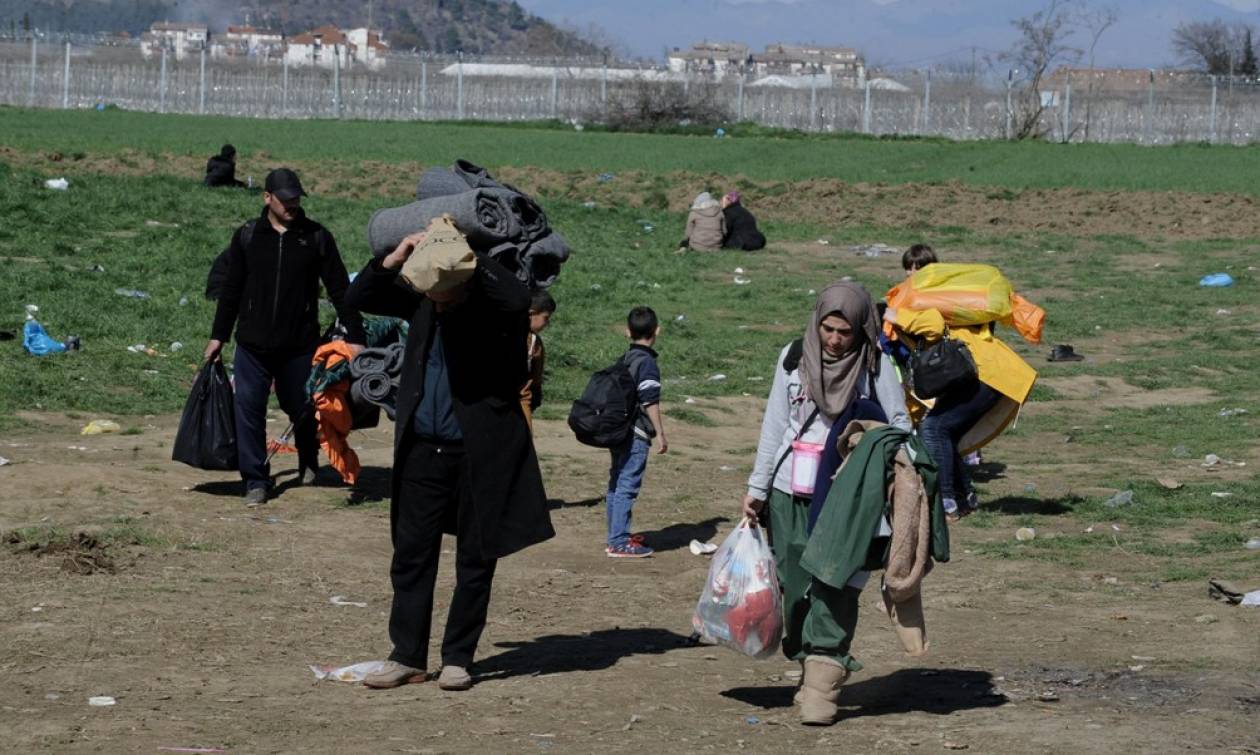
(939, 367)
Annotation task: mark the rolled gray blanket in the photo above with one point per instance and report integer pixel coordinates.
(396, 351)
(371, 361)
(532, 219)
(484, 216)
(459, 178)
(374, 388)
(536, 265)
(543, 259)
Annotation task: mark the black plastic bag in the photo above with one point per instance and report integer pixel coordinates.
(207, 431)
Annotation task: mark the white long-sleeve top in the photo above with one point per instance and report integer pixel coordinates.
(787, 409)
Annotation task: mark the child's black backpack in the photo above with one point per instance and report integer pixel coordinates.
(605, 414)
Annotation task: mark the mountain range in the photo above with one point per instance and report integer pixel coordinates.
(495, 27)
(888, 32)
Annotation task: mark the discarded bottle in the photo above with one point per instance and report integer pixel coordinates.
(1253, 544)
(131, 293)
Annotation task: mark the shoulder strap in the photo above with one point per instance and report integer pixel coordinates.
(792, 359)
(247, 232)
(804, 427)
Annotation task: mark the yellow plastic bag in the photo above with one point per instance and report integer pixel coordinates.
(969, 294)
(99, 427)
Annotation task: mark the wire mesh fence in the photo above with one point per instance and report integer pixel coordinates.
(86, 72)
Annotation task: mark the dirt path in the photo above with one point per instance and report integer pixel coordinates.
(204, 630)
(1149, 215)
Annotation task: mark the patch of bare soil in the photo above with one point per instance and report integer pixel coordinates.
(204, 641)
(1114, 392)
(82, 553)
(823, 201)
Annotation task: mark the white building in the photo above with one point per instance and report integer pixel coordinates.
(716, 59)
(843, 64)
(181, 40)
(248, 42)
(328, 45)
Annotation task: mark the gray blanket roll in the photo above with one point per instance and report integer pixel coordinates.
(374, 388)
(530, 217)
(459, 178)
(385, 359)
(484, 216)
(535, 264)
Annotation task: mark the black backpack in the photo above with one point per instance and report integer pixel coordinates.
(605, 414)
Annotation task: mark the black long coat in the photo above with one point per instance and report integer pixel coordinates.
(485, 340)
(741, 230)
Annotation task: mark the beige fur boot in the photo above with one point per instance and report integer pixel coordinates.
(907, 619)
(820, 690)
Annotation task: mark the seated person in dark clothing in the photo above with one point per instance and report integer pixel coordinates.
(221, 168)
(741, 226)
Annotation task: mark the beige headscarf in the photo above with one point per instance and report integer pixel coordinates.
(832, 381)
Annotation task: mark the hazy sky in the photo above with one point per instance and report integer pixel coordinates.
(888, 32)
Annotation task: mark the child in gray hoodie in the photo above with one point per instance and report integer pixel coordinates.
(706, 226)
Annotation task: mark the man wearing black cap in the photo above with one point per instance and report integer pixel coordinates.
(221, 168)
(275, 264)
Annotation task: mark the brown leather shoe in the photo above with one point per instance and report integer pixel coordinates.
(455, 679)
(393, 674)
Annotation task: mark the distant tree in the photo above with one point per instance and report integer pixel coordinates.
(1248, 65)
(1043, 42)
(1096, 22)
(1213, 46)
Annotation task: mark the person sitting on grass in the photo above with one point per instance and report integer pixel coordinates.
(741, 226)
(625, 475)
(706, 225)
(221, 168)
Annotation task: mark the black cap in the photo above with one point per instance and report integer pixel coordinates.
(284, 183)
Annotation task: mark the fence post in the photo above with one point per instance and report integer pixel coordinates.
(1010, 113)
(1212, 131)
(686, 82)
(162, 85)
(555, 91)
(459, 88)
(927, 102)
(739, 98)
(967, 114)
(337, 81)
(1149, 115)
(284, 86)
(424, 85)
(1067, 109)
(201, 99)
(34, 62)
(813, 102)
(866, 109)
(603, 85)
(65, 80)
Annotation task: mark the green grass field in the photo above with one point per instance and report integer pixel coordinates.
(1149, 324)
(556, 146)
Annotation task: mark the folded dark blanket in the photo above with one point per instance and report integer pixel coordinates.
(373, 388)
(484, 216)
(530, 216)
(544, 257)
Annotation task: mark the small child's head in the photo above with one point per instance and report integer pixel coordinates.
(642, 326)
(917, 257)
(541, 308)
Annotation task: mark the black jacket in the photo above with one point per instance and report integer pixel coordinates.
(741, 230)
(271, 292)
(485, 341)
(221, 171)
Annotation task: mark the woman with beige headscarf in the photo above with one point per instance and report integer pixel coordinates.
(836, 370)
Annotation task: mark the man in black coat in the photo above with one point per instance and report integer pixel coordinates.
(270, 296)
(741, 226)
(464, 459)
(221, 168)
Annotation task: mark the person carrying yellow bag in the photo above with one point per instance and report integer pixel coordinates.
(961, 304)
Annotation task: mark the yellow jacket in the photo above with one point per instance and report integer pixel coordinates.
(999, 367)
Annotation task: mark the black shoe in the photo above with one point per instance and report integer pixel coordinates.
(1064, 353)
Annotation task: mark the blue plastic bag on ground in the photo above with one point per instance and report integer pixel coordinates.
(1216, 280)
(37, 341)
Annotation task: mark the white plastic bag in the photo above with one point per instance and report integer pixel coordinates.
(741, 606)
(354, 673)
